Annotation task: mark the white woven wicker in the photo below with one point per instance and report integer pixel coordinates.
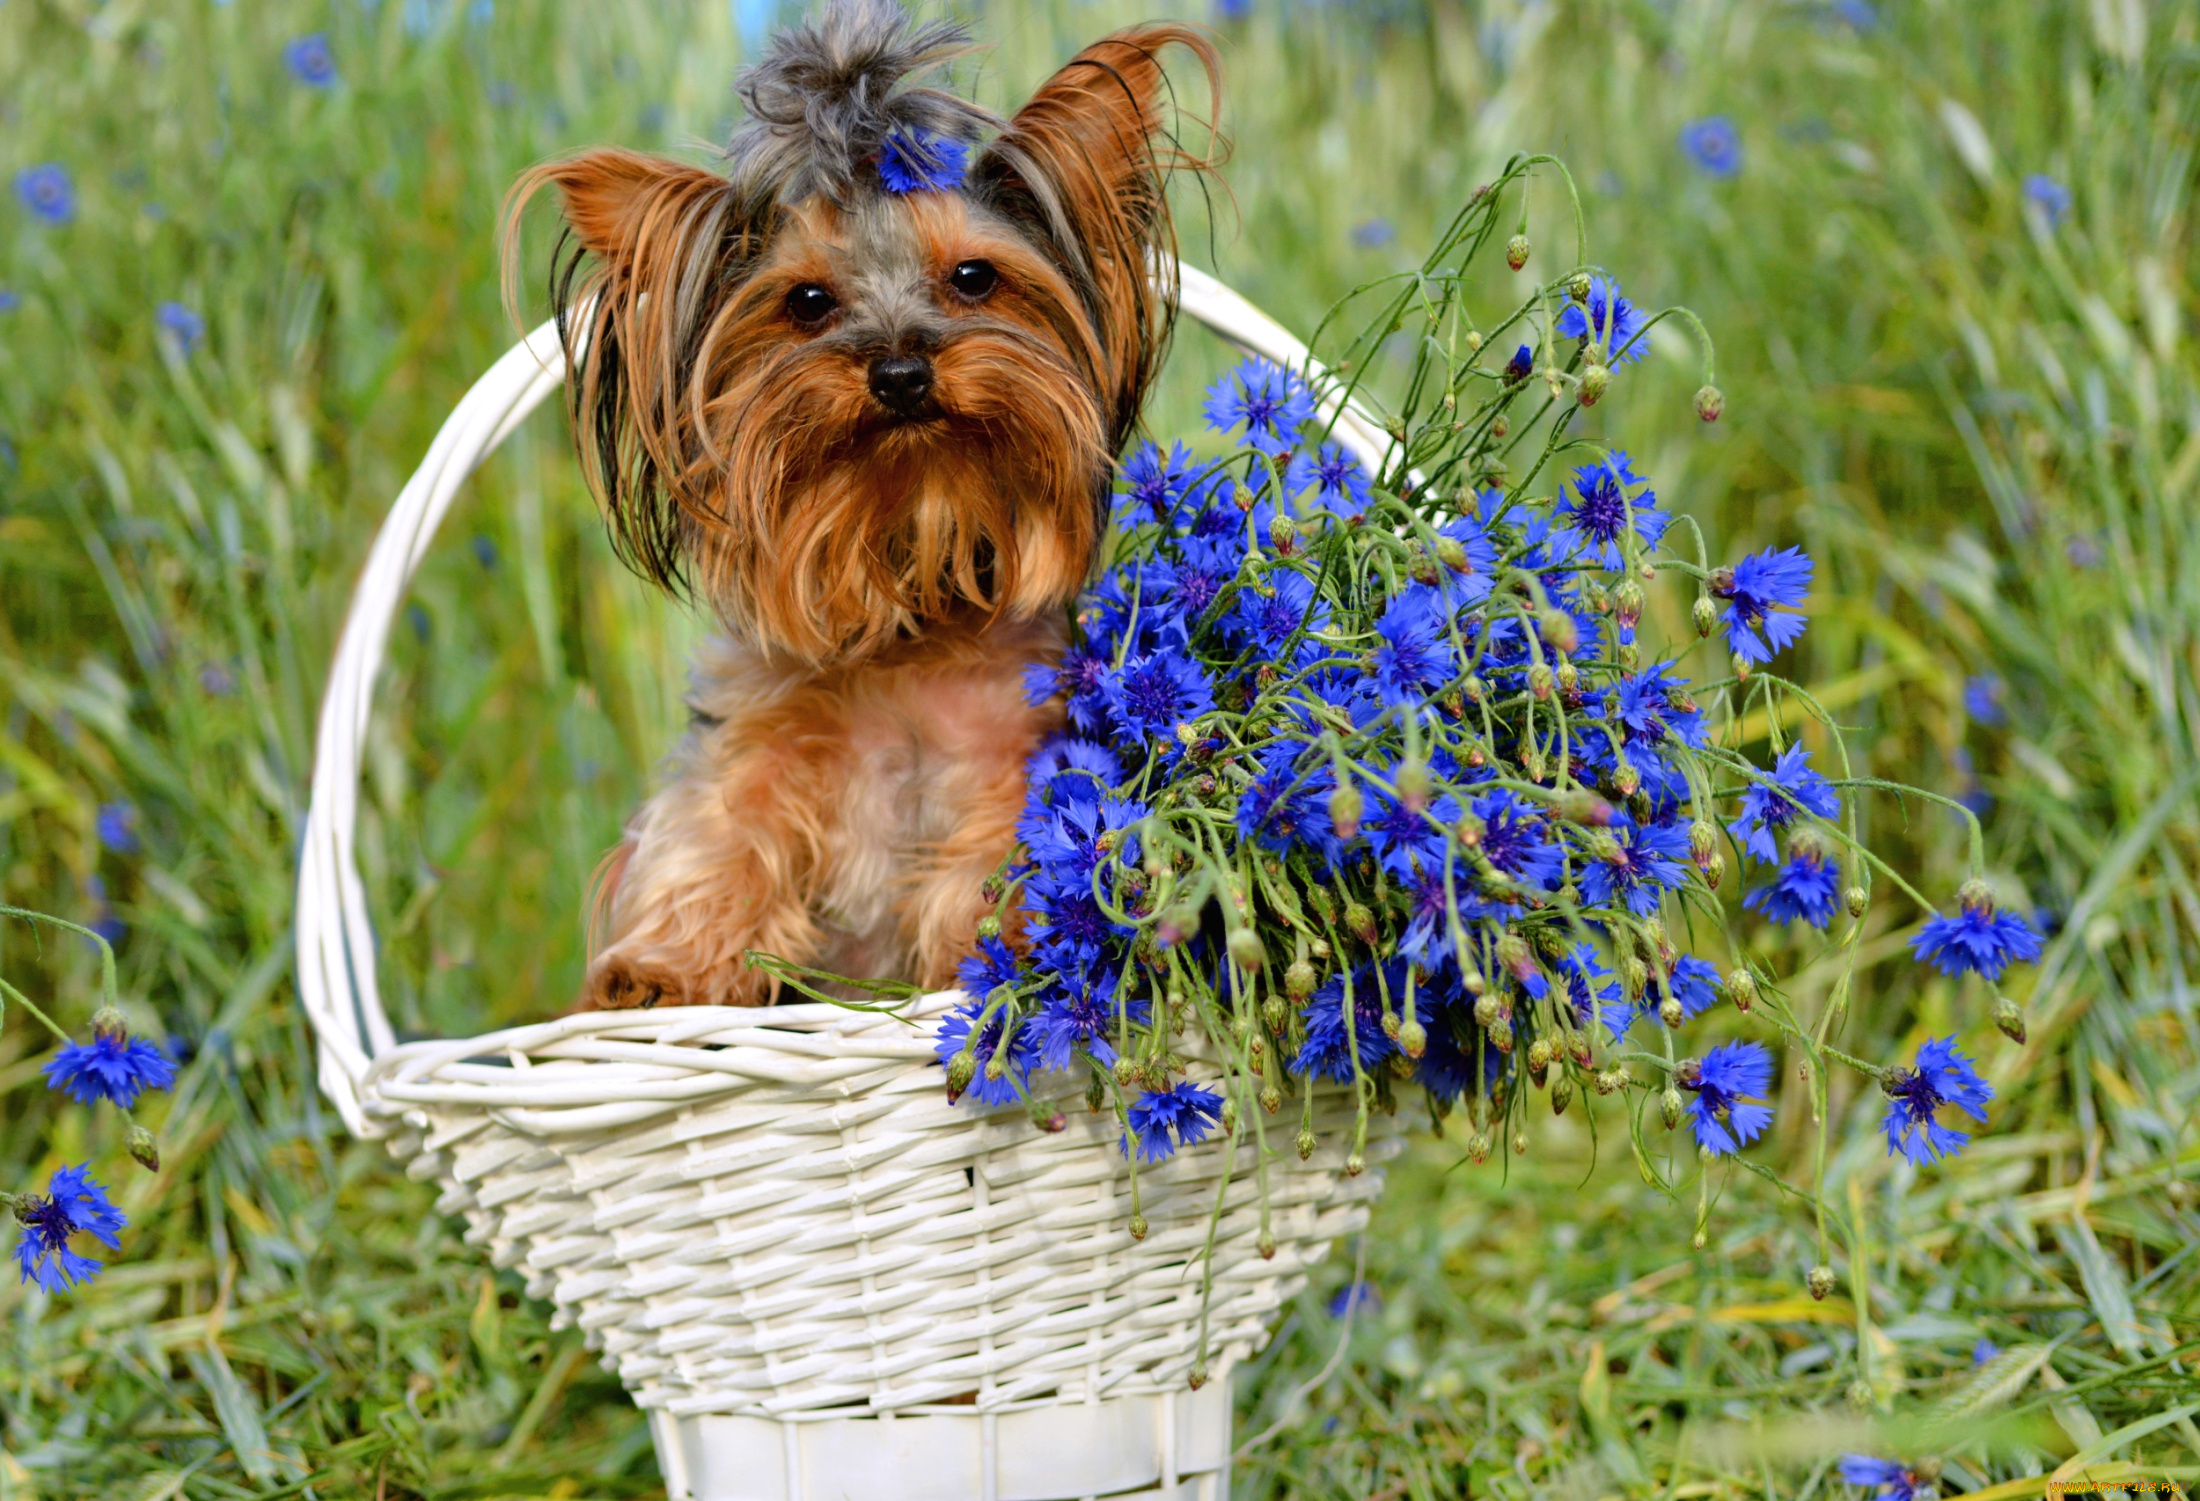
(818, 1278)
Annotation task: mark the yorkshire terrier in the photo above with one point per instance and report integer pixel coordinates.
(861, 393)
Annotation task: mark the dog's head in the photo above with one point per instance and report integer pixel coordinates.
(876, 371)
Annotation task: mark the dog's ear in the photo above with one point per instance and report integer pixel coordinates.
(1080, 163)
(649, 241)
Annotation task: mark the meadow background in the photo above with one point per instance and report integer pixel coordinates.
(1949, 273)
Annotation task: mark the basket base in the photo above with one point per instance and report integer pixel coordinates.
(1139, 1448)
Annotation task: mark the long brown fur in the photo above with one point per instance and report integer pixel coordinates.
(881, 577)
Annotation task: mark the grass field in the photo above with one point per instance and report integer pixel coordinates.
(1976, 403)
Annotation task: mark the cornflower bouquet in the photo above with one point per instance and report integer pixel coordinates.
(1371, 780)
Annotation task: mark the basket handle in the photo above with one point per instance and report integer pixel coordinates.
(336, 958)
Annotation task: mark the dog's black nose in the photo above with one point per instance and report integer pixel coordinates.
(901, 382)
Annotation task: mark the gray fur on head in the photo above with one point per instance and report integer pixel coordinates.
(828, 91)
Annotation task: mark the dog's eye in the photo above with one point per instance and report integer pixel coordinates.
(810, 304)
(974, 278)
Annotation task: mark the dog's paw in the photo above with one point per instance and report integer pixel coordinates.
(618, 982)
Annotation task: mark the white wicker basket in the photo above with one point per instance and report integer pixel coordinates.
(817, 1277)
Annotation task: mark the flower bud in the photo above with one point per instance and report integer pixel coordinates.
(1520, 1143)
(989, 926)
(1478, 1147)
(1512, 952)
(1413, 785)
(1671, 1012)
(1630, 656)
(108, 1022)
(1562, 1093)
(1584, 808)
(1568, 676)
(1714, 871)
(1540, 1056)
(1627, 602)
(1047, 1118)
(1474, 339)
(1860, 1394)
(1516, 251)
(1345, 808)
(1540, 681)
(1298, 983)
(1703, 841)
(1361, 922)
(1126, 1070)
(1138, 1227)
(2010, 1019)
(1487, 1010)
(1857, 900)
(1453, 555)
(1820, 1281)
(1245, 948)
(1612, 1080)
(1710, 402)
(1577, 286)
(996, 1066)
(1267, 1245)
(1626, 780)
(1283, 533)
(1412, 1038)
(1669, 1106)
(1634, 975)
(1973, 896)
(1558, 628)
(1740, 987)
(144, 1148)
(991, 888)
(1198, 1378)
(1501, 1034)
(1705, 614)
(1305, 1143)
(1742, 667)
(1474, 688)
(1354, 1165)
(961, 1069)
(1595, 381)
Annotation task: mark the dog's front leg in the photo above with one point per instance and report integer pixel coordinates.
(719, 862)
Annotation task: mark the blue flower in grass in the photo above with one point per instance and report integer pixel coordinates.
(1978, 939)
(47, 191)
(2048, 196)
(1808, 886)
(1179, 1116)
(1943, 1076)
(310, 61)
(918, 161)
(72, 1205)
(1606, 320)
(1729, 1085)
(1753, 589)
(112, 1066)
(1416, 657)
(1155, 693)
(1883, 1477)
(1713, 144)
(1694, 983)
(181, 324)
(1154, 484)
(1340, 484)
(1354, 1297)
(1609, 500)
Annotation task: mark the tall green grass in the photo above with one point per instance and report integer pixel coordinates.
(1986, 428)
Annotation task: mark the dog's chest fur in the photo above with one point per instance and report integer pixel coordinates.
(887, 759)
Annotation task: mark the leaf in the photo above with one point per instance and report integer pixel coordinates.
(1993, 1383)
(2101, 1448)
(2104, 1287)
(239, 1414)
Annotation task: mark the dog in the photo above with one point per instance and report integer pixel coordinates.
(861, 394)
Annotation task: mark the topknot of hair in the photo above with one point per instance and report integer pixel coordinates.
(827, 92)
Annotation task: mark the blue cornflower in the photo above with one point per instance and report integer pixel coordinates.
(1609, 498)
(1654, 708)
(1645, 860)
(48, 191)
(1466, 579)
(1515, 838)
(112, 1066)
(1286, 803)
(1977, 938)
(1354, 1297)
(1268, 401)
(1730, 1085)
(1713, 144)
(1265, 621)
(1081, 677)
(1767, 809)
(1606, 320)
(2050, 197)
(1695, 984)
(310, 61)
(1406, 839)
(1066, 763)
(1179, 1116)
(1155, 693)
(1153, 484)
(72, 1205)
(1943, 1076)
(1416, 657)
(1077, 1015)
(10, 301)
(1592, 990)
(1329, 1045)
(1752, 589)
(117, 827)
(984, 1088)
(180, 323)
(917, 161)
(1857, 13)
(1522, 363)
(992, 966)
(1808, 886)
(1343, 484)
(1204, 567)
(1984, 1351)
(1982, 698)
(1373, 234)
(1890, 1481)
